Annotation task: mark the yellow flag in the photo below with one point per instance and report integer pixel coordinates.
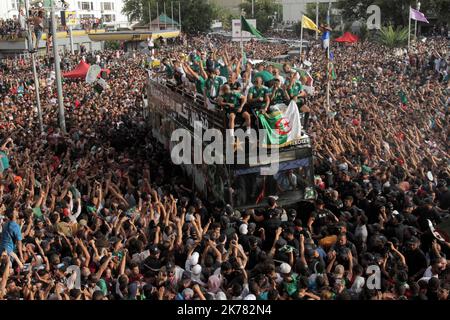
(307, 23)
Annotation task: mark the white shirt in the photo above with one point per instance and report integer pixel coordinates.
(429, 273)
(358, 284)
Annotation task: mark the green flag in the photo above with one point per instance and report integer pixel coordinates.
(403, 97)
(245, 26)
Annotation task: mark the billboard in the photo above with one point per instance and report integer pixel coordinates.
(71, 19)
(236, 30)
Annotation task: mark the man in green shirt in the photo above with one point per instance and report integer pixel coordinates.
(278, 94)
(258, 96)
(296, 93)
(168, 67)
(213, 85)
(198, 78)
(233, 103)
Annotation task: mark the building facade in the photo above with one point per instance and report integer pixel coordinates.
(293, 9)
(110, 11)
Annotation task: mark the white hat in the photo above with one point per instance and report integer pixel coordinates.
(250, 297)
(193, 259)
(395, 212)
(196, 270)
(285, 268)
(243, 229)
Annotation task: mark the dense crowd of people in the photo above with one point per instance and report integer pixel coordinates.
(104, 197)
(9, 29)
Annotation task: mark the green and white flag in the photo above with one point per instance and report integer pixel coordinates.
(245, 26)
(282, 125)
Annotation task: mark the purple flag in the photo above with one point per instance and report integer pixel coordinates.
(417, 15)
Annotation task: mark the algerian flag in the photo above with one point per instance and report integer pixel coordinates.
(93, 73)
(283, 125)
(246, 26)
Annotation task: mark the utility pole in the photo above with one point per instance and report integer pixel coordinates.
(71, 40)
(62, 120)
(29, 45)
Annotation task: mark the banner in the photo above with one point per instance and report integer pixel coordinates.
(236, 30)
(283, 125)
(93, 73)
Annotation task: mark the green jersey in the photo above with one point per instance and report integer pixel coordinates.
(234, 98)
(295, 89)
(200, 84)
(278, 97)
(260, 92)
(213, 86)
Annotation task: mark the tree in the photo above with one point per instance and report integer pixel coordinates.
(196, 15)
(393, 12)
(264, 12)
(391, 37)
(224, 15)
(311, 11)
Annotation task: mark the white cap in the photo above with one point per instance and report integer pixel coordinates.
(220, 296)
(193, 259)
(243, 229)
(250, 297)
(196, 270)
(285, 268)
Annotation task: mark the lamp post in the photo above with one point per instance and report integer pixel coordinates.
(62, 120)
(29, 45)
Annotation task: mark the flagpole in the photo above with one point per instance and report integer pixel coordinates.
(409, 28)
(317, 18)
(328, 58)
(301, 39)
(242, 43)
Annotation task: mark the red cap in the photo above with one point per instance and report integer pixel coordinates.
(66, 212)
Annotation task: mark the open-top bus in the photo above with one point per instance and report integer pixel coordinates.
(241, 185)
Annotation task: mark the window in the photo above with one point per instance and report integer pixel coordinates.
(107, 6)
(86, 16)
(108, 17)
(82, 5)
(15, 4)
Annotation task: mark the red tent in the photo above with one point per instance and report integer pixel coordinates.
(81, 71)
(347, 37)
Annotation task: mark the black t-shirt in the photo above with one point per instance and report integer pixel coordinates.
(270, 227)
(415, 261)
